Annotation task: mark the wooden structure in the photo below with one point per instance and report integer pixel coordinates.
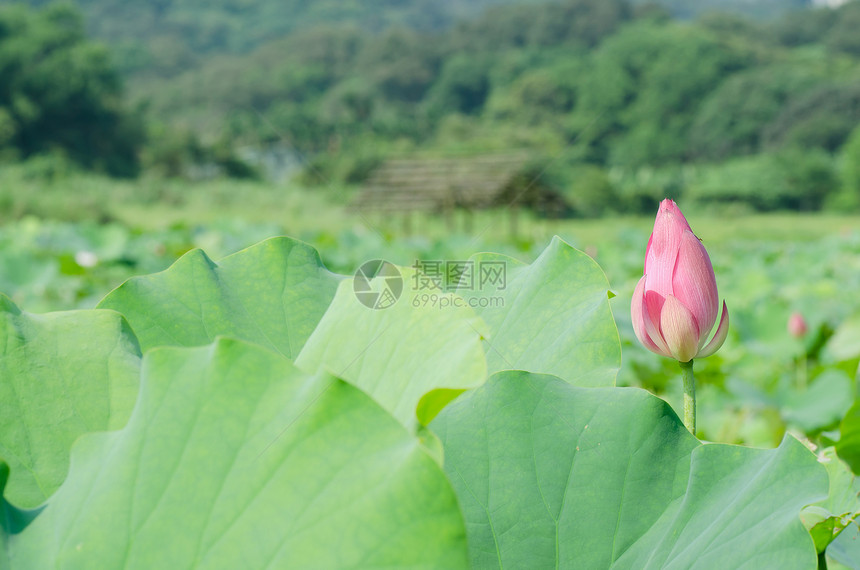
(441, 185)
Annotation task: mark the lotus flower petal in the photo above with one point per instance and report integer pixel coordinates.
(663, 249)
(719, 336)
(694, 284)
(679, 329)
(638, 315)
(653, 305)
(647, 249)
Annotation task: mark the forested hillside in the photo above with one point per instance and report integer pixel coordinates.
(164, 37)
(168, 36)
(633, 97)
(59, 92)
(623, 102)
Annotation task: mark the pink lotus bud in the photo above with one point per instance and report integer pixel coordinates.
(797, 325)
(675, 304)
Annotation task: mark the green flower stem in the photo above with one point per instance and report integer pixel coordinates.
(689, 396)
(801, 371)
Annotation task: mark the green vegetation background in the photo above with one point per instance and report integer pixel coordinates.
(126, 140)
(621, 103)
(132, 133)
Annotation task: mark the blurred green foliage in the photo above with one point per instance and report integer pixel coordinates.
(60, 95)
(849, 197)
(788, 180)
(629, 103)
(761, 383)
(624, 101)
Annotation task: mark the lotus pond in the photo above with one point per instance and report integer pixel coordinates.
(240, 405)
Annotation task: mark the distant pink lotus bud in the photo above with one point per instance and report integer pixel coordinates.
(797, 325)
(675, 304)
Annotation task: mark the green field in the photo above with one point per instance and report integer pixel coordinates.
(762, 384)
(767, 267)
(210, 358)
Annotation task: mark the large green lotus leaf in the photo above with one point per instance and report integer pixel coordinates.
(845, 343)
(822, 404)
(411, 357)
(273, 294)
(12, 519)
(7, 519)
(827, 519)
(846, 548)
(552, 316)
(7, 513)
(848, 446)
(61, 375)
(233, 458)
(555, 476)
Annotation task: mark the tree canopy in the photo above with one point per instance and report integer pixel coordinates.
(60, 93)
(627, 96)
